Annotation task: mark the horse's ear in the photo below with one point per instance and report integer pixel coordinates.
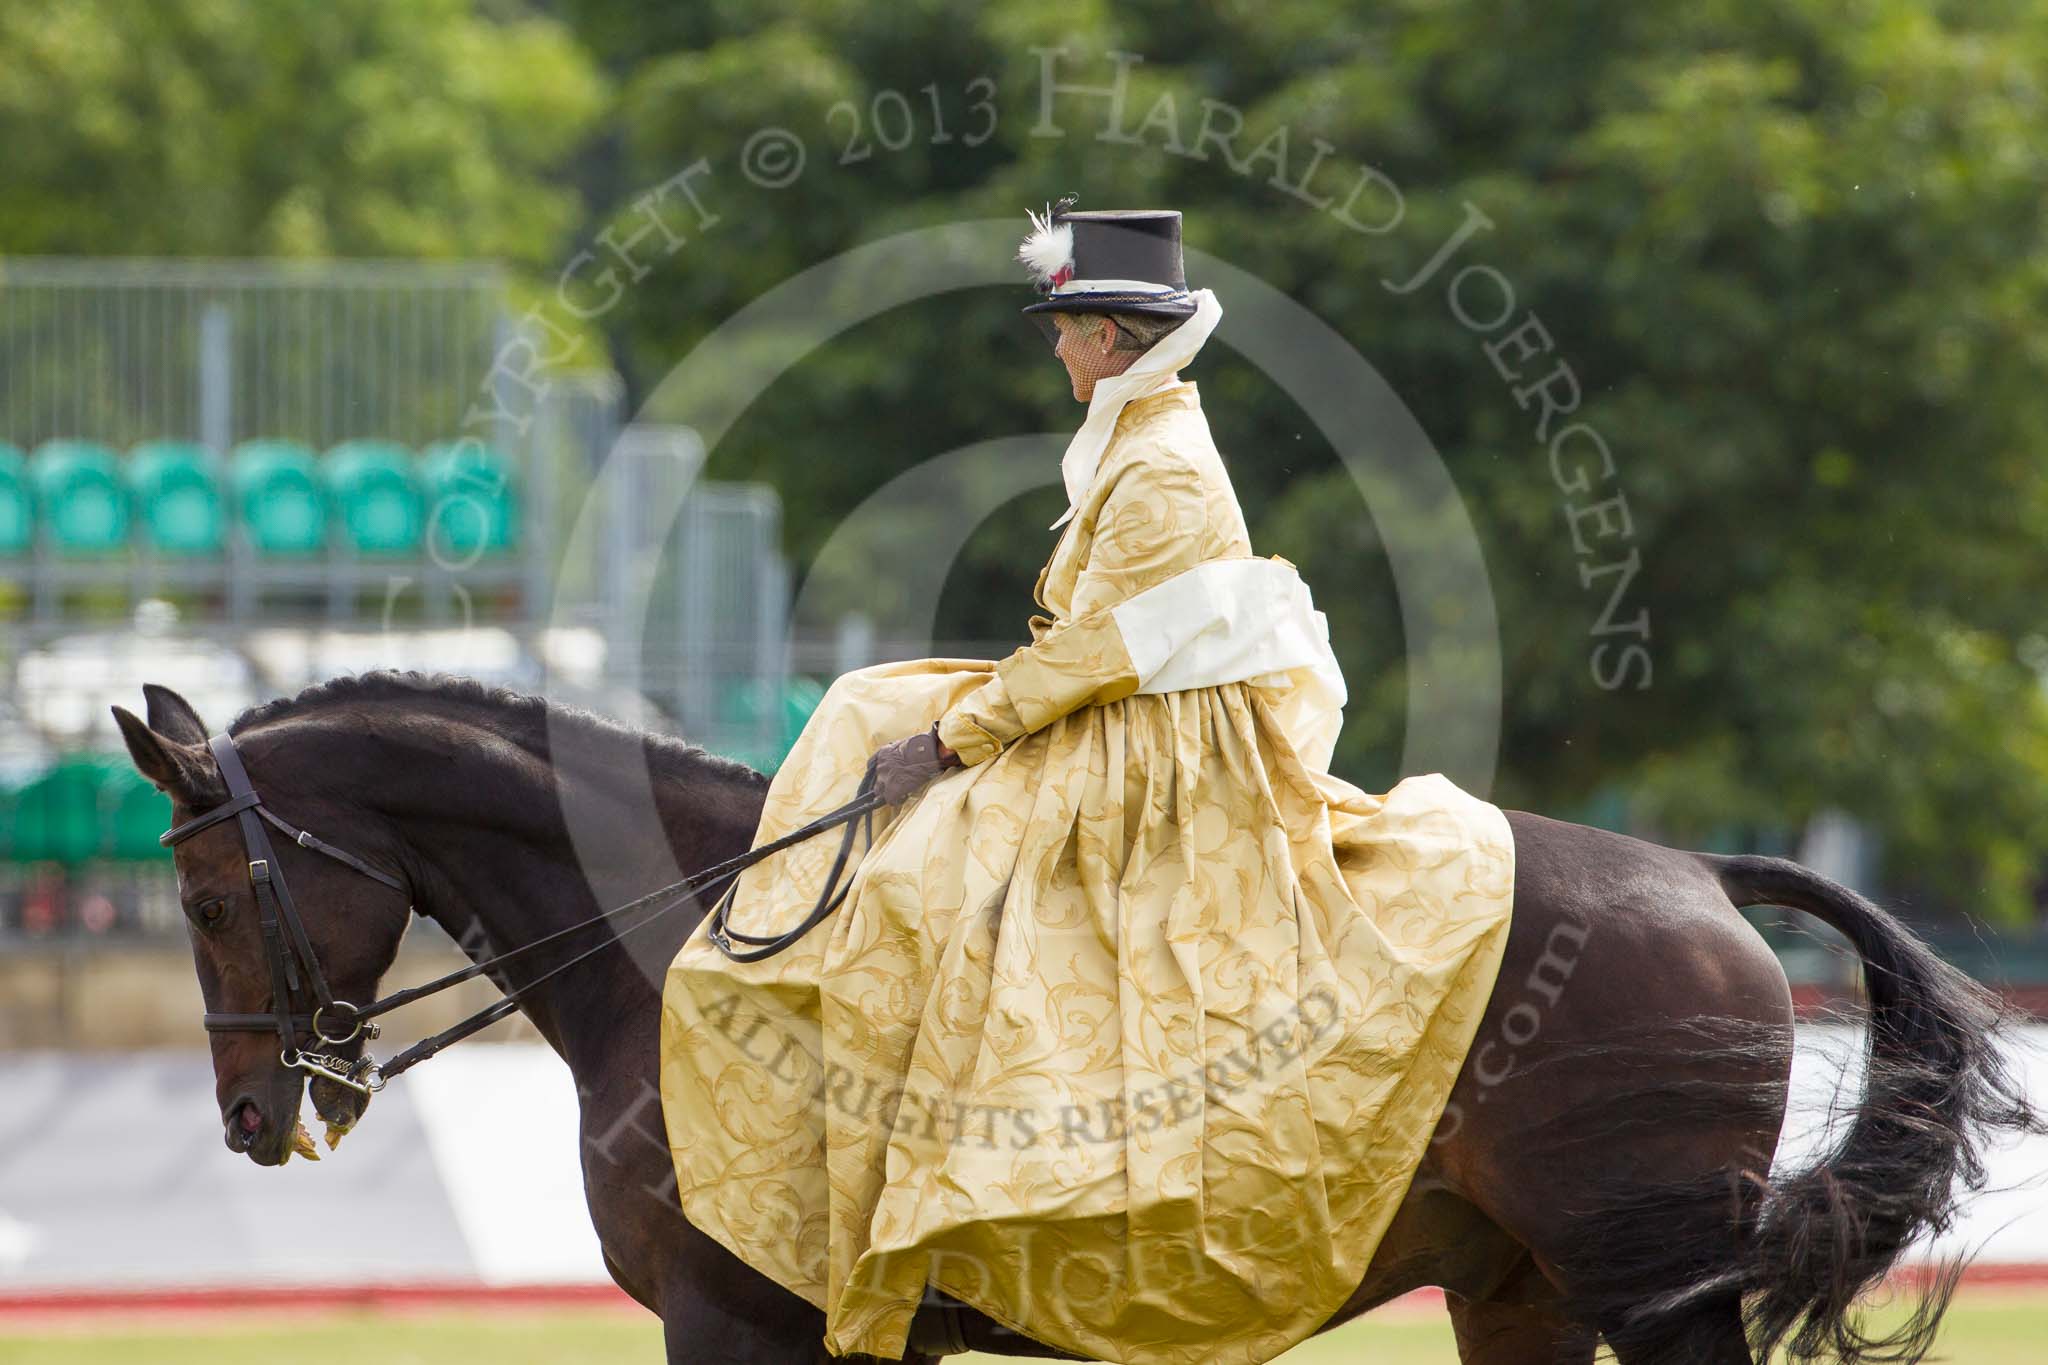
(171, 716)
(183, 772)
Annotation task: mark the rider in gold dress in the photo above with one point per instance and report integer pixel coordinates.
(1135, 1021)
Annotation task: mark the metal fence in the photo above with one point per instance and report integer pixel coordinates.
(708, 643)
(119, 354)
(123, 351)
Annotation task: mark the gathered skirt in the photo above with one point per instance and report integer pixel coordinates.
(1130, 1037)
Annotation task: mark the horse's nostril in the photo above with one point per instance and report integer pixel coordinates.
(241, 1124)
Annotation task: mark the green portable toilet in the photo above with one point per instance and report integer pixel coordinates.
(371, 487)
(177, 497)
(10, 819)
(277, 497)
(472, 505)
(776, 715)
(138, 813)
(79, 494)
(17, 503)
(800, 698)
(749, 711)
(57, 816)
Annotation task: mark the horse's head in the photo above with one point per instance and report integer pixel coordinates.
(352, 923)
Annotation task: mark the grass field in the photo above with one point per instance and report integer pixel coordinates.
(1985, 1328)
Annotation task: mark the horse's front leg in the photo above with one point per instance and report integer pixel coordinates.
(1491, 1332)
(699, 1327)
(713, 1307)
(696, 1334)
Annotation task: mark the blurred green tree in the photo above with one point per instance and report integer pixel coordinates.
(1792, 253)
(242, 127)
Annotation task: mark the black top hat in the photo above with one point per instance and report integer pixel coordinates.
(1106, 261)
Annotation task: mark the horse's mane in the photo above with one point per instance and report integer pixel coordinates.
(518, 714)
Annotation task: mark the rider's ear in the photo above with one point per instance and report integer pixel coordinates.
(184, 772)
(171, 716)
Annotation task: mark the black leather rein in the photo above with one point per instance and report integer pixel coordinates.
(303, 1004)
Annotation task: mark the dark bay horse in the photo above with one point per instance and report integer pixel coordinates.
(1602, 1171)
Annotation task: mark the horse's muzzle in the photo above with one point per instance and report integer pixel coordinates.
(254, 1132)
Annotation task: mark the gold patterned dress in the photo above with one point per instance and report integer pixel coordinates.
(1132, 1031)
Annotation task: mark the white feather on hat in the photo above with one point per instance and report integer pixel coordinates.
(1048, 251)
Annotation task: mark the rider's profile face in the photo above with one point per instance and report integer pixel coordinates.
(1086, 345)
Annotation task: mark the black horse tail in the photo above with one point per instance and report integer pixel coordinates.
(1661, 1270)
(1935, 1089)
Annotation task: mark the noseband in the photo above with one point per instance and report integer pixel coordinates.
(302, 1003)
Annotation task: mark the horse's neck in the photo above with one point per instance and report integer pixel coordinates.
(504, 884)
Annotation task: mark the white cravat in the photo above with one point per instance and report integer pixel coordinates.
(1151, 372)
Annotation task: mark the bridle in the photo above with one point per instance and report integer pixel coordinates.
(296, 980)
(302, 1002)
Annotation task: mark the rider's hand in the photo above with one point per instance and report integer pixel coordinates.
(902, 768)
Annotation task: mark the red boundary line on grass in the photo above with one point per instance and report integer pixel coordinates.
(418, 1296)
(412, 1295)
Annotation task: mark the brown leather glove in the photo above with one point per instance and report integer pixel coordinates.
(902, 768)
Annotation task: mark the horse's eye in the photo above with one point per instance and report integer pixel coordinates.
(213, 911)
